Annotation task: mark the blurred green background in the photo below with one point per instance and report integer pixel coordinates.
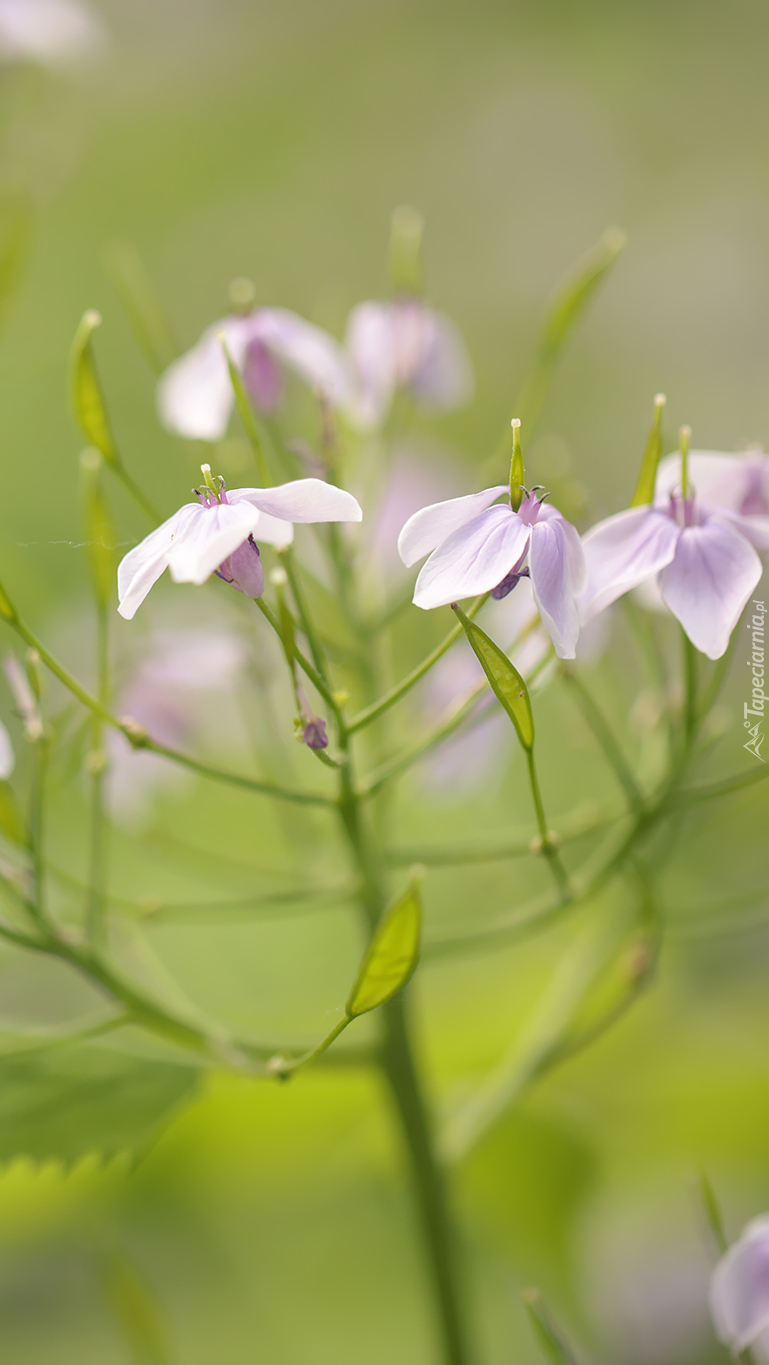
(273, 141)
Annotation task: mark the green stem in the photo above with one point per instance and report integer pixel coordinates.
(428, 1177)
(37, 903)
(384, 703)
(305, 620)
(136, 492)
(307, 668)
(138, 738)
(691, 671)
(603, 733)
(548, 848)
(97, 888)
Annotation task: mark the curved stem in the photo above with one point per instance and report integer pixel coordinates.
(603, 733)
(384, 703)
(548, 848)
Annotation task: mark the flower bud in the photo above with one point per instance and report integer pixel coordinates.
(314, 733)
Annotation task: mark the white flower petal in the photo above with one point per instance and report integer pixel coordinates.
(739, 1289)
(194, 395)
(143, 565)
(273, 531)
(753, 528)
(7, 756)
(622, 552)
(708, 582)
(301, 500)
(427, 528)
(555, 567)
(53, 32)
(370, 343)
(474, 559)
(209, 539)
(309, 351)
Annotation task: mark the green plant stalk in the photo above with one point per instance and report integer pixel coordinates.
(97, 880)
(140, 740)
(548, 849)
(305, 620)
(384, 703)
(603, 733)
(137, 493)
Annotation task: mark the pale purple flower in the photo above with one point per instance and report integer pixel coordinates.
(195, 396)
(739, 1291)
(704, 550)
(475, 547)
(735, 483)
(314, 733)
(218, 534)
(404, 345)
(50, 32)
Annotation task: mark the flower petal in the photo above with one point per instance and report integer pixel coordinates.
(473, 559)
(621, 552)
(753, 528)
(444, 377)
(194, 395)
(210, 539)
(142, 566)
(370, 344)
(309, 351)
(709, 581)
(739, 1289)
(7, 756)
(555, 567)
(301, 500)
(273, 531)
(427, 528)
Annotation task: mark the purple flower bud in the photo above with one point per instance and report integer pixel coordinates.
(314, 734)
(243, 569)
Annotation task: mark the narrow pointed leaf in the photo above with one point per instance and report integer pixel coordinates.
(7, 609)
(505, 680)
(392, 955)
(548, 1337)
(87, 399)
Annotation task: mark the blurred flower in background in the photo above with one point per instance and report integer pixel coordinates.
(50, 32)
(183, 677)
(739, 1292)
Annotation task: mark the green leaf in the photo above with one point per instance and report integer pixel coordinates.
(647, 477)
(99, 531)
(547, 1335)
(87, 400)
(506, 682)
(11, 820)
(392, 955)
(66, 1103)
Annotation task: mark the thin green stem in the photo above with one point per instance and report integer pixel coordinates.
(603, 733)
(691, 679)
(137, 493)
(307, 668)
(97, 888)
(37, 902)
(139, 739)
(372, 713)
(305, 620)
(456, 855)
(548, 848)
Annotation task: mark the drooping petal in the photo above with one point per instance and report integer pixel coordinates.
(739, 1289)
(444, 377)
(194, 395)
(210, 539)
(370, 344)
(574, 550)
(473, 559)
(262, 376)
(273, 531)
(143, 565)
(301, 500)
(554, 565)
(309, 351)
(622, 552)
(427, 528)
(708, 582)
(243, 569)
